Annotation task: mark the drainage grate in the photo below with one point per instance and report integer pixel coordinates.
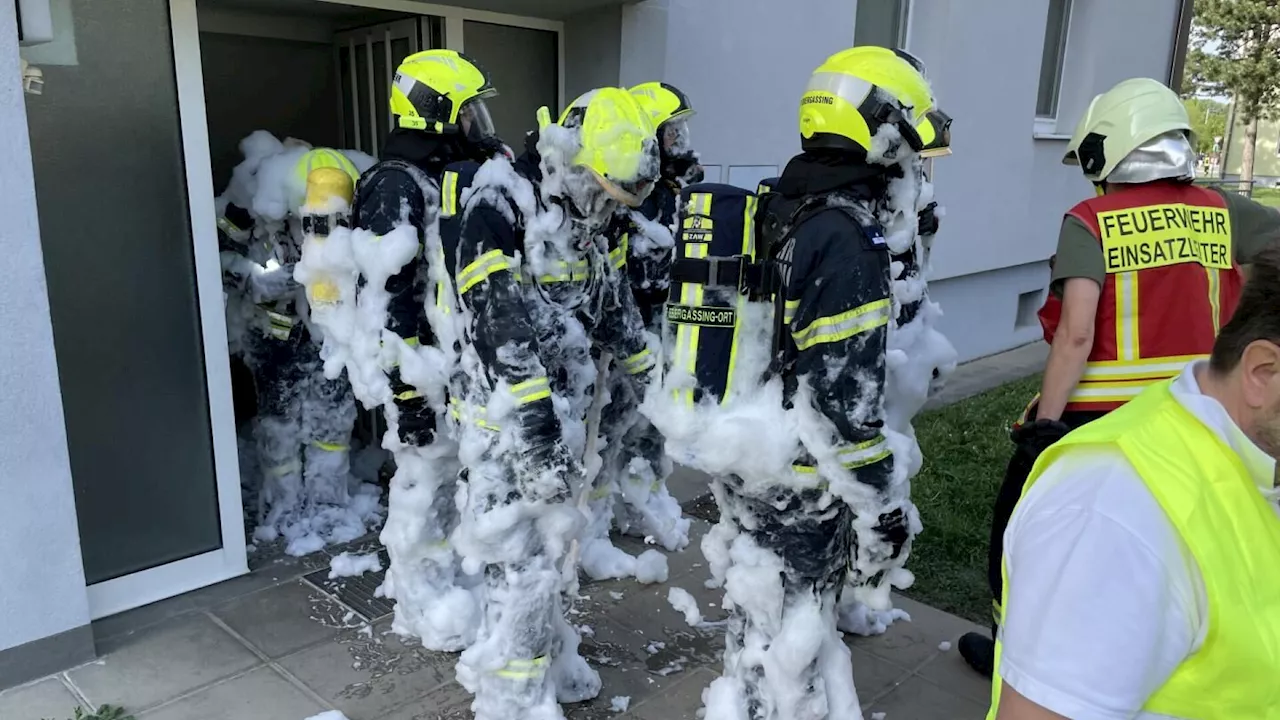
(357, 592)
(703, 507)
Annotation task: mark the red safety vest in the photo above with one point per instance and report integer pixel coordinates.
(1171, 283)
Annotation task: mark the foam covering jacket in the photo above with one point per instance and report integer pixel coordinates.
(651, 272)
(837, 286)
(390, 194)
(516, 338)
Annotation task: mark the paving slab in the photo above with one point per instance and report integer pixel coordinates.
(284, 619)
(260, 694)
(447, 702)
(635, 665)
(919, 699)
(950, 671)
(681, 702)
(874, 677)
(912, 644)
(48, 698)
(163, 662)
(368, 671)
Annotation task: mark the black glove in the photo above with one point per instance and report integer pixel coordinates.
(894, 528)
(1036, 437)
(928, 220)
(416, 420)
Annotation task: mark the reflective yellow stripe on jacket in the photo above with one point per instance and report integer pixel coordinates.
(1232, 533)
(835, 328)
(479, 270)
(1122, 380)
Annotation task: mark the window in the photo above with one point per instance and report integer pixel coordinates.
(1055, 46)
(881, 22)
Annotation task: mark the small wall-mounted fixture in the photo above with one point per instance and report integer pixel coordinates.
(32, 79)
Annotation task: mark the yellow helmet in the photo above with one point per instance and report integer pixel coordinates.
(670, 110)
(326, 174)
(1121, 120)
(616, 140)
(443, 91)
(663, 102)
(856, 91)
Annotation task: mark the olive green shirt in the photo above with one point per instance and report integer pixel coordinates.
(1253, 227)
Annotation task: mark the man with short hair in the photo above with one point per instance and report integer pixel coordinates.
(1138, 562)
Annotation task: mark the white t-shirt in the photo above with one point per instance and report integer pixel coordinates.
(1105, 600)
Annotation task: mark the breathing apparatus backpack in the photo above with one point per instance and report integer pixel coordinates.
(723, 262)
(732, 254)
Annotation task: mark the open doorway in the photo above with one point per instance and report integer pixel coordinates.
(320, 71)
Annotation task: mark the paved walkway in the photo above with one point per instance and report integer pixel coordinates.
(273, 645)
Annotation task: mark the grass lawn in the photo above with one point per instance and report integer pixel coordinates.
(1267, 196)
(966, 448)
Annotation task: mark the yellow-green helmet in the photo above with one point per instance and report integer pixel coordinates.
(1120, 121)
(325, 173)
(855, 92)
(663, 102)
(616, 140)
(443, 92)
(670, 110)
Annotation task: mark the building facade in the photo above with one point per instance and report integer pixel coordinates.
(118, 460)
(1266, 153)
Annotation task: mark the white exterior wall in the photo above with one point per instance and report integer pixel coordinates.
(42, 590)
(745, 62)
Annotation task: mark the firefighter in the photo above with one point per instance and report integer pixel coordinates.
(919, 357)
(539, 288)
(304, 422)
(634, 457)
(441, 120)
(1145, 275)
(774, 383)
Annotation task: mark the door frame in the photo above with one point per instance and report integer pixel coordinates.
(230, 560)
(455, 22)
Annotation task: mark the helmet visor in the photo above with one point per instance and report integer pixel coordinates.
(937, 125)
(675, 138)
(632, 194)
(474, 121)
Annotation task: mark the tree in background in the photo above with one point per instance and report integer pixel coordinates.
(1235, 50)
(1208, 121)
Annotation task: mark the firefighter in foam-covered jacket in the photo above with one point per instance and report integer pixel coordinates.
(541, 285)
(635, 466)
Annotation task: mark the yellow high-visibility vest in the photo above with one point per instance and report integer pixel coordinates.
(1234, 536)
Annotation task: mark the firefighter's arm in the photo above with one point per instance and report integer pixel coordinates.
(623, 331)
(389, 199)
(505, 339)
(839, 293)
(1072, 343)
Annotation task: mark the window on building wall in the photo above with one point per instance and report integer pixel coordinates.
(1055, 47)
(881, 22)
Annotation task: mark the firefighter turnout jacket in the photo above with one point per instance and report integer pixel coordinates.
(827, 273)
(517, 319)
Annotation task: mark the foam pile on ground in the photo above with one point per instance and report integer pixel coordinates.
(683, 602)
(348, 565)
